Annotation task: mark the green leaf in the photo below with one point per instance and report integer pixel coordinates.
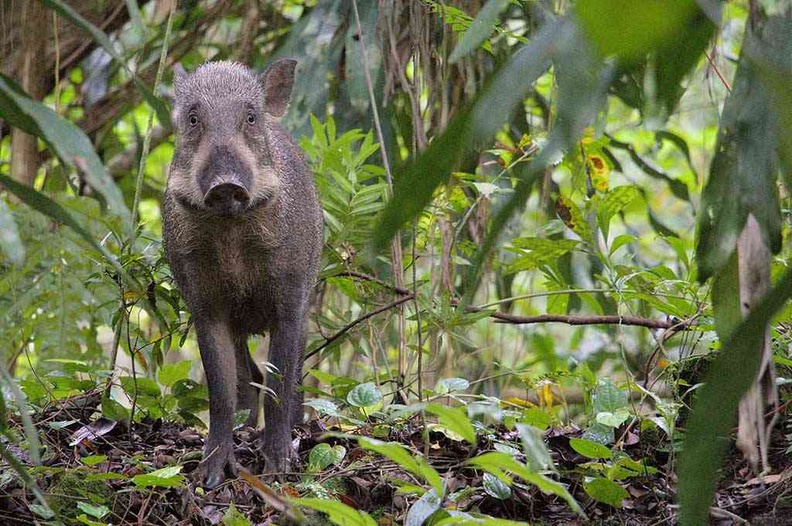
(479, 30)
(172, 372)
(94, 511)
(498, 464)
(535, 251)
(675, 33)
(590, 449)
(92, 460)
(364, 395)
(641, 27)
(323, 406)
(114, 410)
(169, 477)
(614, 419)
(495, 487)
(607, 397)
(606, 491)
(187, 388)
(233, 517)
(620, 241)
(140, 386)
(743, 173)
(455, 419)
(339, 513)
(401, 456)
(616, 200)
(450, 385)
(423, 508)
(324, 455)
(10, 243)
(66, 140)
(536, 452)
(730, 375)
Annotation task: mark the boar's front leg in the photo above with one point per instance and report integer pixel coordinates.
(287, 344)
(216, 343)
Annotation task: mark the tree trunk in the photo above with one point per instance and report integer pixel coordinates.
(753, 433)
(24, 147)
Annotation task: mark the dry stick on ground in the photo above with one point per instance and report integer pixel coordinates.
(502, 317)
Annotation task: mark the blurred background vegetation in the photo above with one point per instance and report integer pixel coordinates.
(547, 196)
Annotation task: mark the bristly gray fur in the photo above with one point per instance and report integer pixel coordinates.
(249, 272)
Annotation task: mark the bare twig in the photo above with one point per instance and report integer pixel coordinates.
(503, 317)
(373, 279)
(350, 325)
(717, 71)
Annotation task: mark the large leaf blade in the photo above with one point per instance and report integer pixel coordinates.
(714, 411)
(65, 139)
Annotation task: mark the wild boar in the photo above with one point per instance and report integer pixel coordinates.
(242, 228)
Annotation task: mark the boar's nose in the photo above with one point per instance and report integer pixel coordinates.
(227, 198)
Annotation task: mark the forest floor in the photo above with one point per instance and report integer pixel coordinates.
(94, 470)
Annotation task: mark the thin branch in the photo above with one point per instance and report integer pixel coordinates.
(373, 279)
(503, 317)
(717, 71)
(358, 321)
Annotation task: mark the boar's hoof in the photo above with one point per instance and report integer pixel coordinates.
(218, 462)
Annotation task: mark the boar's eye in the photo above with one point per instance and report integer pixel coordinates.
(251, 118)
(193, 119)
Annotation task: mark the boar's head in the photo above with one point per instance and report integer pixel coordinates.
(223, 161)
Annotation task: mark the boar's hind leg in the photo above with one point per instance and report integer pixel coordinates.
(216, 344)
(287, 343)
(247, 372)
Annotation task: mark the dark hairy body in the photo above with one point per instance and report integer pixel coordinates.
(242, 228)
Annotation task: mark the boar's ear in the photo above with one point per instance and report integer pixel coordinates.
(278, 81)
(178, 77)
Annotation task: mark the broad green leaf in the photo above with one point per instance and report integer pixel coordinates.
(614, 419)
(324, 455)
(608, 397)
(479, 30)
(423, 508)
(743, 173)
(590, 449)
(170, 373)
(140, 386)
(606, 491)
(364, 395)
(101, 38)
(339, 513)
(450, 385)
(66, 140)
(400, 455)
(495, 487)
(454, 419)
(169, 477)
(641, 26)
(94, 511)
(731, 373)
(323, 406)
(10, 243)
(675, 34)
(92, 460)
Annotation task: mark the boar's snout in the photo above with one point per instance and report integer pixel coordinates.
(225, 182)
(227, 198)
